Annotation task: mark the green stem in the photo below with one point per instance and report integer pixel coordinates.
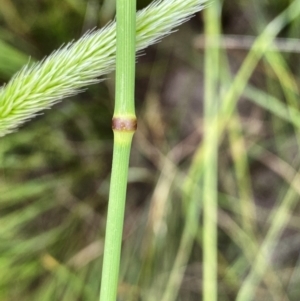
(114, 225)
(210, 176)
(125, 57)
(124, 125)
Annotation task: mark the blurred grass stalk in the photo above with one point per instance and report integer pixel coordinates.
(124, 126)
(279, 218)
(260, 263)
(261, 45)
(210, 140)
(233, 92)
(107, 10)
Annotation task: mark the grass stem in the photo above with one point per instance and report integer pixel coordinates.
(210, 176)
(124, 125)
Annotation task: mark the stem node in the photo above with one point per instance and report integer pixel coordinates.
(124, 124)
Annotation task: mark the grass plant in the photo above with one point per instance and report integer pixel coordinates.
(210, 156)
(213, 190)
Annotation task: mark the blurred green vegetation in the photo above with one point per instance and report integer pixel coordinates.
(55, 170)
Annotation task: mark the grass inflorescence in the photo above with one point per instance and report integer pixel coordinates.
(78, 64)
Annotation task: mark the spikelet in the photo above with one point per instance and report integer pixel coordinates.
(71, 68)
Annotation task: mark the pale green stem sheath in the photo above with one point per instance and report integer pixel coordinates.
(124, 126)
(210, 176)
(115, 216)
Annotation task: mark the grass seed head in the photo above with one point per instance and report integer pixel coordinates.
(78, 64)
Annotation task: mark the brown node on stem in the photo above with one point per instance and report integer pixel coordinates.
(123, 124)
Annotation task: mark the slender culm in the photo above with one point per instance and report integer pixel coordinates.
(71, 68)
(124, 125)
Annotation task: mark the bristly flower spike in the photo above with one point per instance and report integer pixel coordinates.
(71, 68)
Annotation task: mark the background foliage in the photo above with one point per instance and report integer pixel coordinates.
(55, 170)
